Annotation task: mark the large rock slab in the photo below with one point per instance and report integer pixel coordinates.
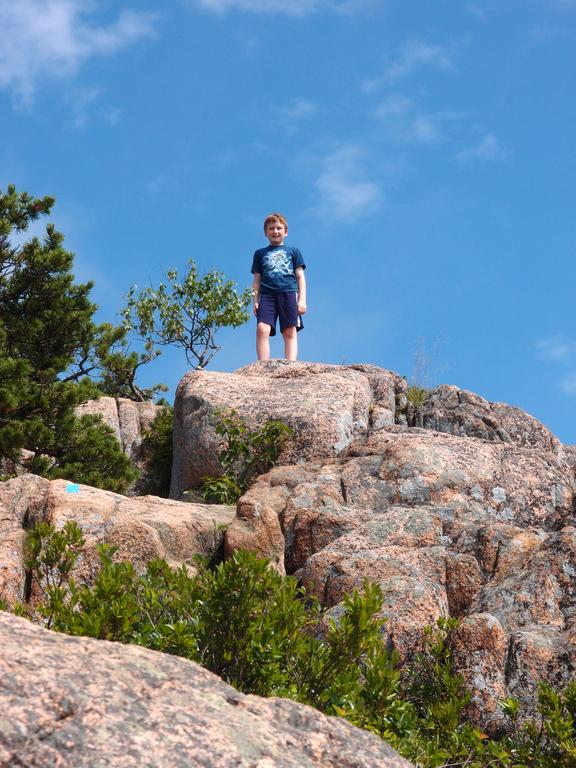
(90, 703)
(141, 528)
(129, 421)
(460, 412)
(449, 526)
(329, 407)
(126, 418)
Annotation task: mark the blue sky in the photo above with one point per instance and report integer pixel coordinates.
(422, 150)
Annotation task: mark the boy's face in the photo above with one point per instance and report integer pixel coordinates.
(276, 232)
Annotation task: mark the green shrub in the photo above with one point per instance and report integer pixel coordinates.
(242, 620)
(91, 454)
(262, 634)
(246, 454)
(416, 395)
(158, 450)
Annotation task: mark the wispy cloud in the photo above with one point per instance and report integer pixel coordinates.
(557, 349)
(562, 352)
(283, 7)
(568, 384)
(563, 5)
(405, 122)
(53, 38)
(476, 10)
(296, 109)
(86, 105)
(346, 191)
(291, 116)
(487, 148)
(414, 55)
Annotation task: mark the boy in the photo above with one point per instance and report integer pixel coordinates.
(278, 290)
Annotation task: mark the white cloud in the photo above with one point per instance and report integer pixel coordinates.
(415, 55)
(297, 109)
(53, 38)
(563, 5)
(290, 116)
(82, 102)
(557, 349)
(285, 7)
(568, 384)
(86, 104)
(487, 149)
(346, 192)
(560, 351)
(394, 106)
(405, 123)
(476, 10)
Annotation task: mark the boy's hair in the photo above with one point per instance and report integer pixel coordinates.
(275, 217)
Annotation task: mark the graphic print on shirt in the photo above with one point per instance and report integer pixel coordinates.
(278, 263)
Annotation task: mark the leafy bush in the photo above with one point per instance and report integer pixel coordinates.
(260, 632)
(90, 454)
(416, 395)
(246, 454)
(157, 447)
(187, 313)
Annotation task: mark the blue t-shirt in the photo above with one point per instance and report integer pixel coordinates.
(277, 265)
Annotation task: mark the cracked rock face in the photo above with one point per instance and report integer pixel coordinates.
(449, 526)
(141, 528)
(459, 412)
(328, 407)
(460, 507)
(129, 421)
(85, 703)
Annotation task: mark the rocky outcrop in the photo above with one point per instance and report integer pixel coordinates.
(449, 526)
(328, 407)
(129, 422)
(85, 703)
(127, 419)
(459, 412)
(141, 528)
(459, 507)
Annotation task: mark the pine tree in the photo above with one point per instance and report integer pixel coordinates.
(49, 347)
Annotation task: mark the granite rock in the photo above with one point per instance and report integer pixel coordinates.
(141, 528)
(448, 526)
(129, 422)
(89, 703)
(328, 407)
(460, 412)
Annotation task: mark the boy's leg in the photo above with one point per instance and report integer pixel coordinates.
(266, 326)
(289, 318)
(263, 341)
(290, 343)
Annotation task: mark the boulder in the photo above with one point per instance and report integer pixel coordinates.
(480, 647)
(82, 702)
(328, 407)
(536, 653)
(129, 421)
(141, 528)
(460, 412)
(448, 526)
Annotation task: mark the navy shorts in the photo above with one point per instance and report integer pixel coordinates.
(279, 305)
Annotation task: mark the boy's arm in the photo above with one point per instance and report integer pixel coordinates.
(256, 291)
(301, 280)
